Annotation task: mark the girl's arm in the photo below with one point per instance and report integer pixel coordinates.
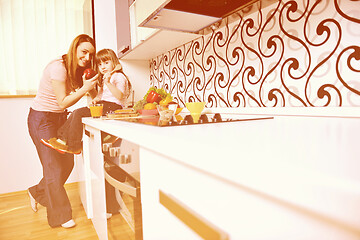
(96, 100)
(64, 100)
(114, 89)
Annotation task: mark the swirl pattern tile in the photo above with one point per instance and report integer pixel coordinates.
(295, 53)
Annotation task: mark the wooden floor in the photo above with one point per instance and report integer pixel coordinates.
(18, 221)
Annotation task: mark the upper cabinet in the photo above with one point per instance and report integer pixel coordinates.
(157, 26)
(122, 15)
(146, 43)
(189, 15)
(145, 8)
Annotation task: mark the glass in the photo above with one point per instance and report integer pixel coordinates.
(166, 111)
(96, 110)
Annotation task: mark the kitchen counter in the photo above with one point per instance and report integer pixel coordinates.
(305, 167)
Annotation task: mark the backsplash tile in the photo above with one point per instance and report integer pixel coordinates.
(289, 54)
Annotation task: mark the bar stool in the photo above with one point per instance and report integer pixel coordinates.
(128, 184)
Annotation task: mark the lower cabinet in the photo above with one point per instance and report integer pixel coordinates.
(181, 202)
(158, 222)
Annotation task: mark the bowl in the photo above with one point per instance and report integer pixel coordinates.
(147, 112)
(195, 109)
(166, 111)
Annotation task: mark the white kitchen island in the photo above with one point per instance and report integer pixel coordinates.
(290, 177)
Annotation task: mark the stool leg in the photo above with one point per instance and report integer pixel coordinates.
(138, 215)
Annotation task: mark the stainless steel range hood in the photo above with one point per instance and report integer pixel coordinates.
(192, 15)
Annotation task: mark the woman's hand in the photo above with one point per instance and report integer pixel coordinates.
(89, 84)
(66, 100)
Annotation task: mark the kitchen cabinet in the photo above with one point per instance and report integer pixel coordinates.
(157, 27)
(192, 16)
(291, 177)
(147, 43)
(194, 192)
(276, 202)
(129, 34)
(92, 183)
(122, 26)
(145, 8)
(138, 34)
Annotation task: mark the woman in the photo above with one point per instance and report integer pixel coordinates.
(114, 89)
(62, 85)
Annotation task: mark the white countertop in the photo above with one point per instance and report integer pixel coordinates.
(219, 147)
(289, 157)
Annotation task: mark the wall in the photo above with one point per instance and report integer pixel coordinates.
(289, 54)
(20, 166)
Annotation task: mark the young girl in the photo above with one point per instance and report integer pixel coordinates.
(114, 89)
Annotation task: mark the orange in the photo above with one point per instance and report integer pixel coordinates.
(149, 106)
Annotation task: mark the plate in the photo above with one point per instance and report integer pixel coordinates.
(121, 115)
(148, 112)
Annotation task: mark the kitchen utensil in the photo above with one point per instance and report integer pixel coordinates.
(195, 109)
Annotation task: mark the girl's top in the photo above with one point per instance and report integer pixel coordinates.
(119, 80)
(45, 99)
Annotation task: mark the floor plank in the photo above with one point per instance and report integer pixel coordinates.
(18, 221)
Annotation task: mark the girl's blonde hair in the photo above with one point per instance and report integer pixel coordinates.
(74, 72)
(106, 55)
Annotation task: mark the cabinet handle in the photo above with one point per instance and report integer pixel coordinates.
(87, 133)
(124, 49)
(189, 217)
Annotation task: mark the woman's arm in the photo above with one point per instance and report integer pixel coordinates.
(93, 93)
(65, 100)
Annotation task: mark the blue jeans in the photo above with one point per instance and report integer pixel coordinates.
(50, 191)
(72, 130)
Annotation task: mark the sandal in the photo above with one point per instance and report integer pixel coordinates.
(59, 146)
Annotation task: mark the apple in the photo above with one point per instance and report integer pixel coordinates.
(89, 73)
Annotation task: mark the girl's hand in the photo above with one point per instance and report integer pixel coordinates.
(106, 78)
(95, 100)
(89, 84)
